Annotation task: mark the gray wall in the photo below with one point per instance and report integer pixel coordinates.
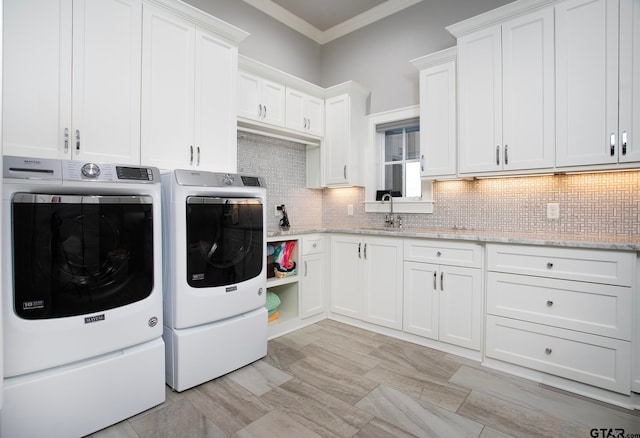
(270, 42)
(377, 56)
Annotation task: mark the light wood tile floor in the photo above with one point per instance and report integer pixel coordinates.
(334, 380)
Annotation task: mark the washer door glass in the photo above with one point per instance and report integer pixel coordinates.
(224, 240)
(74, 255)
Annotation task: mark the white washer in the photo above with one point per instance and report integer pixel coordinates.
(82, 295)
(214, 274)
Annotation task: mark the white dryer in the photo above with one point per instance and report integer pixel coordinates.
(214, 274)
(82, 295)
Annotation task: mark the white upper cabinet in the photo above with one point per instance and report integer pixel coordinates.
(304, 112)
(71, 79)
(506, 96)
(188, 95)
(438, 121)
(345, 134)
(261, 99)
(595, 108)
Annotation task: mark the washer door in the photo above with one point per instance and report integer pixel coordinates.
(224, 240)
(75, 255)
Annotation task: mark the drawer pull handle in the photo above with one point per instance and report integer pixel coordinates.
(548, 350)
(549, 265)
(549, 303)
(438, 254)
(435, 280)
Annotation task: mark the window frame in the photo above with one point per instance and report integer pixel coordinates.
(374, 165)
(403, 162)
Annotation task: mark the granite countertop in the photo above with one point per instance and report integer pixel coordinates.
(626, 243)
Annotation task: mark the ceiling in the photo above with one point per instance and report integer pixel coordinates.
(326, 20)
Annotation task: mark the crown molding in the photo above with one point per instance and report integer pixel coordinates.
(374, 14)
(436, 58)
(497, 16)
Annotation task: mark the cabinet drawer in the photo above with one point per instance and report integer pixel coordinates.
(443, 252)
(312, 244)
(594, 360)
(596, 266)
(588, 307)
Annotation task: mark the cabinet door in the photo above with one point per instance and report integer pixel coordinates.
(167, 90)
(295, 115)
(336, 147)
(215, 96)
(480, 98)
(249, 98)
(312, 285)
(37, 78)
(382, 282)
(528, 106)
(460, 306)
(629, 93)
(273, 102)
(587, 82)
(346, 258)
(438, 120)
(421, 299)
(314, 110)
(107, 38)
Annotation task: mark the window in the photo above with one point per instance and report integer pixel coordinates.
(392, 162)
(401, 158)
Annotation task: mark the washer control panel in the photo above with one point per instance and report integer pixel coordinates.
(79, 171)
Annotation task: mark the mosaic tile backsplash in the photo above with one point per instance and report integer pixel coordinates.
(283, 166)
(598, 203)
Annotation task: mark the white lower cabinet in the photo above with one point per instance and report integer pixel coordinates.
(443, 301)
(562, 311)
(366, 279)
(312, 280)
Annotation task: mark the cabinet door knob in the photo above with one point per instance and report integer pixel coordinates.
(435, 280)
(78, 140)
(442, 281)
(498, 155)
(305, 268)
(260, 110)
(549, 265)
(506, 154)
(624, 142)
(359, 250)
(548, 350)
(191, 155)
(66, 140)
(198, 160)
(438, 254)
(612, 143)
(549, 303)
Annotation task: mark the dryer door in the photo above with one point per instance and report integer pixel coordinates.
(224, 240)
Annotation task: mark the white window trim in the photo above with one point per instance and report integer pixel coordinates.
(373, 165)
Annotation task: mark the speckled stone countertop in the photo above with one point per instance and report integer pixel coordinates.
(626, 243)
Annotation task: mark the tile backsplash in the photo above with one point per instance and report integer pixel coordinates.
(283, 166)
(598, 203)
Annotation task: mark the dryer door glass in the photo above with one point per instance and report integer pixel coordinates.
(74, 255)
(224, 240)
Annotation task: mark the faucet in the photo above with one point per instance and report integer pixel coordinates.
(388, 218)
